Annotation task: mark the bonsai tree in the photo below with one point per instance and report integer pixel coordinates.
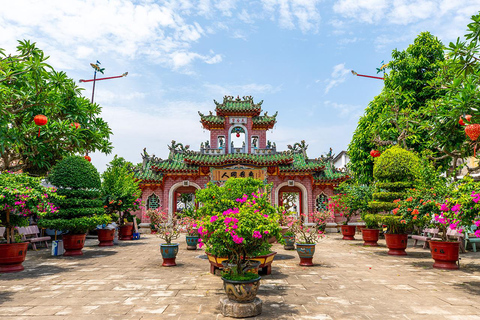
(120, 190)
(395, 171)
(242, 230)
(167, 229)
(81, 208)
(22, 197)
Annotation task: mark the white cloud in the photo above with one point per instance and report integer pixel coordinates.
(365, 10)
(338, 76)
(235, 90)
(293, 13)
(345, 110)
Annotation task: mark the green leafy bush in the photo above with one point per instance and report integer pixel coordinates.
(396, 164)
(81, 209)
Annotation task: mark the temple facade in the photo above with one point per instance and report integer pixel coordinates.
(238, 147)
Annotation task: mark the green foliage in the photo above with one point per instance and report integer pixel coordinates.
(81, 210)
(30, 87)
(388, 196)
(378, 206)
(120, 189)
(353, 198)
(22, 196)
(396, 164)
(393, 223)
(215, 199)
(371, 220)
(394, 186)
(75, 172)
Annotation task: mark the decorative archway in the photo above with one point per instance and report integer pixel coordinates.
(230, 131)
(303, 196)
(172, 198)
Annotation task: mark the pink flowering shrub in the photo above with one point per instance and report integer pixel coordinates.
(310, 227)
(241, 231)
(168, 228)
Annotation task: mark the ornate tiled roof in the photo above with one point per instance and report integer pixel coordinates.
(330, 175)
(174, 164)
(302, 164)
(146, 174)
(264, 121)
(212, 121)
(235, 106)
(195, 158)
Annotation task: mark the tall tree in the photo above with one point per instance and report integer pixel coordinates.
(30, 87)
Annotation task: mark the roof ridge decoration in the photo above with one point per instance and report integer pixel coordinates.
(238, 106)
(178, 147)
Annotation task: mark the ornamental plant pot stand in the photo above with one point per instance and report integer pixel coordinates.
(192, 242)
(169, 254)
(125, 232)
(396, 244)
(241, 301)
(445, 254)
(73, 244)
(265, 262)
(348, 232)
(12, 256)
(305, 252)
(105, 237)
(370, 237)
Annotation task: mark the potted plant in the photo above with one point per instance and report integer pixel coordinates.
(190, 227)
(308, 231)
(21, 198)
(121, 195)
(240, 233)
(370, 233)
(168, 229)
(288, 230)
(81, 208)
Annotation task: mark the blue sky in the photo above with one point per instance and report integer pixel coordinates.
(296, 55)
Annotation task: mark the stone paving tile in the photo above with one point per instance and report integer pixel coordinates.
(347, 282)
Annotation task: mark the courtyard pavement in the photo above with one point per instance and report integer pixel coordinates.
(348, 281)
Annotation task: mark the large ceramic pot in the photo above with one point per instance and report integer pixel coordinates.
(169, 253)
(265, 262)
(370, 237)
(12, 256)
(73, 244)
(348, 232)
(125, 232)
(289, 242)
(241, 291)
(192, 242)
(305, 252)
(445, 254)
(396, 244)
(105, 237)
(250, 266)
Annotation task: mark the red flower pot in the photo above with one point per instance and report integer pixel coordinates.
(396, 243)
(370, 237)
(126, 232)
(445, 254)
(348, 232)
(105, 236)
(12, 256)
(73, 244)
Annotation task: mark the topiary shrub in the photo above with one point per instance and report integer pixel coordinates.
(80, 208)
(394, 171)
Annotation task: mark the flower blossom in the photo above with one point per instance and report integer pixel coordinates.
(213, 219)
(257, 234)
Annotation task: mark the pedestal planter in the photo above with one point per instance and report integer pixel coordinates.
(192, 242)
(105, 237)
(241, 291)
(169, 253)
(370, 237)
(348, 232)
(445, 254)
(12, 256)
(73, 244)
(306, 252)
(251, 266)
(289, 242)
(396, 243)
(125, 232)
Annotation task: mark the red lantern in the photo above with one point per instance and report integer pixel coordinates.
(375, 153)
(76, 124)
(88, 158)
(473, 132)
(40, 120)
(238, 135)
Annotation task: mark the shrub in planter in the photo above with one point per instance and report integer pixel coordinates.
(168, 229)
(81, 208)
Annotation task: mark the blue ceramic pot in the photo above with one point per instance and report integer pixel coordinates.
(169, 253)
(192, 242)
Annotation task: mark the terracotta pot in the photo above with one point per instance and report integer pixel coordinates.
(305, 252)
(169, 253)
(445, 254)
(241, 291)
(105, 236)
(12, 256)
(348, 232)
(73, 244)
(396, 243)
(125, 232)
(370, 237)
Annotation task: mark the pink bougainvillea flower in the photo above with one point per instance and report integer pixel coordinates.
(266, 232)
(213, 219)
(444, 207)
(456, 208)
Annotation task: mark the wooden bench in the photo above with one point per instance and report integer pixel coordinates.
(470, 237)
(426, 235)
(31, 235)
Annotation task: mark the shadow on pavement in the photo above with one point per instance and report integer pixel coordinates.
(5, 296)
(472, 287)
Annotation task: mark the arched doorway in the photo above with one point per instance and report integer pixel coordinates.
(175, 190)
(184, 199)
(291, 199)
(238, 138)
